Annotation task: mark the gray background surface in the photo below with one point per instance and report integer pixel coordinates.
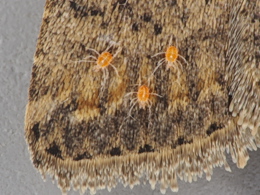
(19, 27)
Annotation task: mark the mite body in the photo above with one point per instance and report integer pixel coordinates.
(171, 60)
(102, 61)
(143, 98)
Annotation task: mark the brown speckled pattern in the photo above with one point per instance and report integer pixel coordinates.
(79, 120)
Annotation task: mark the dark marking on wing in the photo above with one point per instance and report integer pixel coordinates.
(85, 155)
(54, 150)
(145, 148)
(213, 127)
(115, 151)
(180, 140)
(135, 27)
(36, 131)
(146, 17)
(157, 29)
(80, 11)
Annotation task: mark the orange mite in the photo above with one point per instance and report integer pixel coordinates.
(142, 97)
(171, 55)
(102, 61)
(170, 59)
